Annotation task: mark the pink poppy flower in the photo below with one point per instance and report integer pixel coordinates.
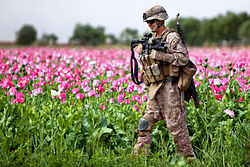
(141, 90)
(130, 89)
(229, 112)
(15, 77)
(43, 83)
(59, 79)
(103, 107)
(122, 95)
(136, 107)
(75, 90)
(135, 97)
(12, 91)
(109, 74)
(40, 90)
(119, 100)
(127, 101)
(84, 83)
(20, 94)
(13, 101)
(139, 102)
(218, 97)
(95, 83)
(198, 84)
(101, 89)
(79, 96)
(222, 88)
(217, 81)
(86, 89)
(111, 100)
(120, 89)
(225, 81)
(35, 92)
(66, 86)
(62, 96)
(63, 100)
(240, 100)
(90, 93)
(144, 98)
(20, 100)
(5, 83)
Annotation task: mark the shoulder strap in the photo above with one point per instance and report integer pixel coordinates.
(164, 36)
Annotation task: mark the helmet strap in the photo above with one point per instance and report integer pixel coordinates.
(159, 24)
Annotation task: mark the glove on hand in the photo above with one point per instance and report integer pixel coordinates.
(153, 54)
(139, 49)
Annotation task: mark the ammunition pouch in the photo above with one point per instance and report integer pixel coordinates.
(149, 74)
(144, 79)
(158, 72)
(170, 70)
(186, 74)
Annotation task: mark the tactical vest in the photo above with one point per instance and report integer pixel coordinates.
(155, 70)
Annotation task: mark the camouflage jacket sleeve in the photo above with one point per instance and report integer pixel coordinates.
(176, 54)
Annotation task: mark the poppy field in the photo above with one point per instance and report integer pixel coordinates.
(79, 107)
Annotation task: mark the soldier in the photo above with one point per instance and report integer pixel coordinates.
(160, 73)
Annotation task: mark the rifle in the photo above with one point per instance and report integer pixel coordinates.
(191, 91)
(147, 45)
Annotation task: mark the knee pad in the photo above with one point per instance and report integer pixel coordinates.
(145, 124)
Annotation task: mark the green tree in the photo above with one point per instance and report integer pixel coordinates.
(191, 28)
(210, 30)
(216, 30)
(223, 28)
(53, 39)
(111, 39)
(244, 32)
(88, 35)
(127, 35)
(26, 35)
(227, 27)
(48, 39)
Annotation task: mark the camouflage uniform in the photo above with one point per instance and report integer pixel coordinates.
(166, 100)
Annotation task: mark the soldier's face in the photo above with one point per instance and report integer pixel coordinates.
(152, 25)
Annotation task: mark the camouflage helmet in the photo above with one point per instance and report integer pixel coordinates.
(156, 12)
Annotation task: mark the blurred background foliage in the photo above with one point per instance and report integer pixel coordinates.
(229, 29)
(26, 35)
(88, 35)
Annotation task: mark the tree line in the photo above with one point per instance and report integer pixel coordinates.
(228, 29)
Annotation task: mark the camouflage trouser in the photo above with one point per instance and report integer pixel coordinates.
(168, 104)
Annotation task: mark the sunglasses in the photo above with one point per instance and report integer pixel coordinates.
(151, 21)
